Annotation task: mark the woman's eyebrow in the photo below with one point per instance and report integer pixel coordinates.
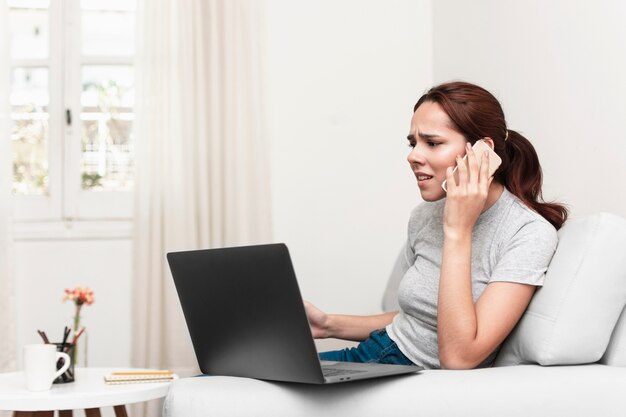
(423, 136)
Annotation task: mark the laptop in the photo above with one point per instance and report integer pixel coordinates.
(246, 318)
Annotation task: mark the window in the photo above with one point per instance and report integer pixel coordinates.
(72, 97)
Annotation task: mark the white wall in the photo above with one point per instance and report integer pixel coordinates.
(45, 267)
(343, 77)
(559, 69)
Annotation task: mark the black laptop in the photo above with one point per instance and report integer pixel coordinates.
(246, 318)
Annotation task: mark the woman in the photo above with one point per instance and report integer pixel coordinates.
(474, 256)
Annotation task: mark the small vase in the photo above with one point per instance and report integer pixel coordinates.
(82, 346)
(79, 351)
(83, 337)
(81, 342)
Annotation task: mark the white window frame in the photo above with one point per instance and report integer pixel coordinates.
(66, 201)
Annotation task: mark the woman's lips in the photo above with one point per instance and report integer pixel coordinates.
(422, 178)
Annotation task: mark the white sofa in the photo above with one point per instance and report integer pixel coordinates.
(566, 357)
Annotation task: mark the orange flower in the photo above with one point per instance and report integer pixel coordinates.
(79, 295)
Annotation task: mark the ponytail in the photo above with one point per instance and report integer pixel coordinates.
(521, 174)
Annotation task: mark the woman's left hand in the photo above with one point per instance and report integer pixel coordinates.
(466, 200)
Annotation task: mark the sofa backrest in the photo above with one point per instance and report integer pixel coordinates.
(579, 314)
(390, 297)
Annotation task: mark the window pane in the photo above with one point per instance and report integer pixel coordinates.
(108, 28)
(30, 86)
(28, 30)
(29, 135)
(107, 118)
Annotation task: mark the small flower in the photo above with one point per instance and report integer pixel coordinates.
(80, 296)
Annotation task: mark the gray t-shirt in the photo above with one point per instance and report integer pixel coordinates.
(510, 243)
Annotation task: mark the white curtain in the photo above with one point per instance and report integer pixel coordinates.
(7, 294)
(201, 156)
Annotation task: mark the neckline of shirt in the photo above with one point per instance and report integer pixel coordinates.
(492, 212)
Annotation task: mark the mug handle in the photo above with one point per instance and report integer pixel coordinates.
(66, 364)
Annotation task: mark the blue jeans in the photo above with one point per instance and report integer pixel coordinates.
(378, 347)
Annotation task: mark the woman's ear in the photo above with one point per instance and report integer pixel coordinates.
(489, 142)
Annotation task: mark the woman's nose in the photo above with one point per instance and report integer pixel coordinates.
(415, 156)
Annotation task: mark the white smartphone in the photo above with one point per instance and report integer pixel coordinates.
(479, 148)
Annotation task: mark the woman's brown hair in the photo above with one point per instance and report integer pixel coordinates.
(476, 114)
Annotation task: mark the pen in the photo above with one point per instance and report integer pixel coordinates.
(66, 332)
(71, 345)
(143, 373)
(43, 336)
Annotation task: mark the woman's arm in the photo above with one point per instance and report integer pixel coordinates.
(356, 328)
(468, 332)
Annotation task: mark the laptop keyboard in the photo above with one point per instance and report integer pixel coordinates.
(339, 372)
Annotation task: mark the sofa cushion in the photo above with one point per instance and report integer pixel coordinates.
(572, 317)
(514, 391)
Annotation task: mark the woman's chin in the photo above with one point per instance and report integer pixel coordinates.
(430, 195)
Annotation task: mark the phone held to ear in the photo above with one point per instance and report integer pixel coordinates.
(479, 148)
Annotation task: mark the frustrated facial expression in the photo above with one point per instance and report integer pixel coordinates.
(435, 145)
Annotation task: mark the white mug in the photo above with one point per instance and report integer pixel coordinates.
(40, 366)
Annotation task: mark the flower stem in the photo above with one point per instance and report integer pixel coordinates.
(77, 318)
(76, 326)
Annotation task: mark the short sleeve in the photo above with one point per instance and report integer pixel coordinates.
(525, 257)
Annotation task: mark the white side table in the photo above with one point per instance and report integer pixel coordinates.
(88, 392)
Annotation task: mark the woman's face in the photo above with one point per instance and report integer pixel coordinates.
(435, 146)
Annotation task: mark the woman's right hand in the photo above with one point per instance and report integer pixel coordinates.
(318, 321)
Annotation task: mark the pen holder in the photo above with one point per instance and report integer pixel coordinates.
(67, 376)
